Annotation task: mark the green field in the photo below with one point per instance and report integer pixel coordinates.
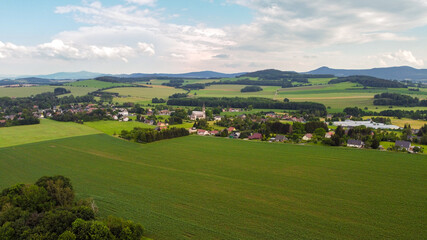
(229, 90)
(111, 127)
(335, 96)
(216, 188)
(28, 91)
(144, 94)
(46, 130)
(96, 84)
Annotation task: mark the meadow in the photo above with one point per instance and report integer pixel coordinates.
(96, 84)
(115, 127)
(143, 94)
(46, 130)
(228, 90)
(336, 96)
(216, 188)
(29, 91)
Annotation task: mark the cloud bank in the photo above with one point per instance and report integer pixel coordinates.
(286, 34)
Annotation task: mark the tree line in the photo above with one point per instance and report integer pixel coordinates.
(49, 210)
(416, 115)
(396, 99)
(147, 135)
(80, 117)
(255, 102)
(273, 74)
(368, 81)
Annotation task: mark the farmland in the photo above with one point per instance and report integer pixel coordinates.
(28, 91)
(234, 91)
(215, 188)
(144, 94)
(46, 130)
(96, 84)
(111, 127)
(335, 96)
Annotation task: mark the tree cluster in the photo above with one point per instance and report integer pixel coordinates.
(146, 135)
(60, 91)
(251, 89)
(194, 86)
(80, 117)
(48, 210)
(158, 100)
(179, 95)
(396, 99)
(176, 83)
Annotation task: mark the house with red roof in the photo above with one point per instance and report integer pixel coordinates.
(255, 136)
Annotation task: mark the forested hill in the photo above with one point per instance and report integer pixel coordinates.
(391, 73)
(369, 82)
(273, 74)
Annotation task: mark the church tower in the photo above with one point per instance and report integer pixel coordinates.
(204, 108)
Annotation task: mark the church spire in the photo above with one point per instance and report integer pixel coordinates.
(204, 108)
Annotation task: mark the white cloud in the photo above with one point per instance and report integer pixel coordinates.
(58, 49)
(401, 57)
(142, 2)
(281, 35)
(147, 48)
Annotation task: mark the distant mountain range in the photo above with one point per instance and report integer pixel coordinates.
(391, 73)
(203, 74)
(89, 75)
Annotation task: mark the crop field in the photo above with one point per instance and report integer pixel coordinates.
(96, 84)
(319, 81)
(136, 94)
(28, 91)
(46, 130)
(215, 188)
(227, 90)
(111, 127)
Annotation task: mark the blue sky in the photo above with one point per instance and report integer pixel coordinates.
(125, 36)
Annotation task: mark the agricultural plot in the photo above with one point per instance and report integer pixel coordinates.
(234, 91)
(115, 127)
(215, 188)
(137, 94)
(46, 130)
(339, 96)
(29, 91)
(96, 84)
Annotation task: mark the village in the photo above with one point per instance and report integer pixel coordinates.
(262, 126)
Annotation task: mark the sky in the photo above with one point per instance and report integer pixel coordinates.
(171, 36)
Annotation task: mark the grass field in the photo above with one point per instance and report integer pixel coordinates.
(46, 130)
(234, 91)
(28, 91)
(111, 127)
(144, 94)
(216, 188)
(96, 84)
(335, 96)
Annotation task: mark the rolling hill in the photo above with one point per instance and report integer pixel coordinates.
(391, 73)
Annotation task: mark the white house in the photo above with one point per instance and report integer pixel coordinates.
(124, 113)
(307, 137)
